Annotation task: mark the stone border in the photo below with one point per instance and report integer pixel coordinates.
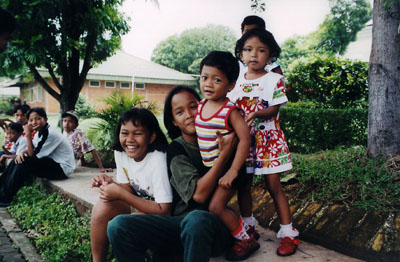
(18, 237)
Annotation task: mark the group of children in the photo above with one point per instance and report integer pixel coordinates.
(242, 97)
(30, 137)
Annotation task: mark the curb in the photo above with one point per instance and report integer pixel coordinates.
(18, 237)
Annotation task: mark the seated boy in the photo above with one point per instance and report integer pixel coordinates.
(79, 142)
(14, 133)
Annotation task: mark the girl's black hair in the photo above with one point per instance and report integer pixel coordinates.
(253, 20)
(265, 37)
(7, 22)
(224, 61)
(39, 110)
(16, 127)
(174, 131)
(145, 118)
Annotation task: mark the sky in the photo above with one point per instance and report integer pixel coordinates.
(151, 24)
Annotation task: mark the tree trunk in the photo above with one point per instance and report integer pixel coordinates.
(384, 82)
(69, 98)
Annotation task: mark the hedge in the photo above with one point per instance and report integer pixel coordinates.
(311, 130)
(331, 82)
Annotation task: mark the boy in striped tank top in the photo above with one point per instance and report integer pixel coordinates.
(217, 116)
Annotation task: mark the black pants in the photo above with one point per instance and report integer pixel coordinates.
(16, 175)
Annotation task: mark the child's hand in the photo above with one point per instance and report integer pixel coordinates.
(109, 192)
(105, 170)
(227, 180)
(227, 143)
(27, 129)
(20, 158)
(250, 118)
(3, 123)
(101, 180)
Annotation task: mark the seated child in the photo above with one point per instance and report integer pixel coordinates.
(20, 117)
(142, 177)
(14, 133)
(47, 155)
(79, 142)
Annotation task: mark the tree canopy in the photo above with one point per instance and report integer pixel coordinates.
(184, 52)
(339, 28)
(57, 35)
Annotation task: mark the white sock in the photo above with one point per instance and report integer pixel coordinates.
(251, 221)
(287, 231)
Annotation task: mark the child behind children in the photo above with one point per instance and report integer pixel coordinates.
(260, 94)
(253, 21)
(80, 144)
(14, 134)
(48, 155)
(216, 114)
(142, 176)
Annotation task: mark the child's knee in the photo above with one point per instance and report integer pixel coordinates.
(100, 212)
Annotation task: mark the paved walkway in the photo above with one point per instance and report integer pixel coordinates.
(11, 235)
(78, 188)
(7, 251)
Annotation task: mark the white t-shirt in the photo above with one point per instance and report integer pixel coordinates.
(57, 148)
(149, 177)
(18, 146)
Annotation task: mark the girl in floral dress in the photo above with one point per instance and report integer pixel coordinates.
(260, 94)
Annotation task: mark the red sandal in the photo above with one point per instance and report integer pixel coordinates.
(288, 246)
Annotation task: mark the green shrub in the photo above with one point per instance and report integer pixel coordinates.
(6, 105)
(102, 133)
(83, 108)
(59, 233)
(328, 81)
(349, 176)
(314, 129)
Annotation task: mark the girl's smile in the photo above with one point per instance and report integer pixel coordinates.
(135, 140)
(36, 121)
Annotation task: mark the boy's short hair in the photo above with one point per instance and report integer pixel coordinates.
(16, 127)
(7, 22)
(253, 20)
(72, 114)
(23, 108)
(224, 61)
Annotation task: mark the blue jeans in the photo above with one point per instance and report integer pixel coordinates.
(199, 235)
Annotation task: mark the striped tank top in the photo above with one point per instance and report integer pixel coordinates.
(206, 129)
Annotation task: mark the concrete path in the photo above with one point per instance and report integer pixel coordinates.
(11, 235)
(78, 189)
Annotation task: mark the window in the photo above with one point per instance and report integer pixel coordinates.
(30, 94)
(110, 84)
(40, 93)
(125, 85)
(139, 86)
(94, 83)
(25, 94)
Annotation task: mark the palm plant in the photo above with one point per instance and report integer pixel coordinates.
(103, 132)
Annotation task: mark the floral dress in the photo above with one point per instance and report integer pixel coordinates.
(269, 152)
